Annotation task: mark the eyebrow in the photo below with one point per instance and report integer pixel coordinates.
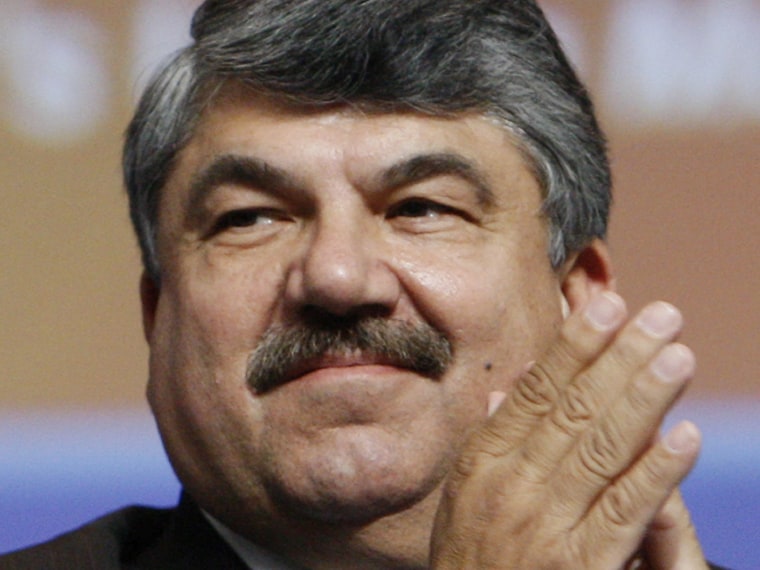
(257, 173)
(238, 169)
(425, 166)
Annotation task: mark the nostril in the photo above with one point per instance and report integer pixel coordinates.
(326, 317)
(335, 274)
(338, 275)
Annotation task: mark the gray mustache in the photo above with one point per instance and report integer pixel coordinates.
(283, 349)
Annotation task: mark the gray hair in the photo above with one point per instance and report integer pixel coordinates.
(439, 57)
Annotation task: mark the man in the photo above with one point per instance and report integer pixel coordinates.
(380, 314)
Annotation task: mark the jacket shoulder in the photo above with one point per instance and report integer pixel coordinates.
(102, 544)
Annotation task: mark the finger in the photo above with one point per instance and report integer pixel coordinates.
(582, 337)
(672, 542)
(587, 398)
(625, 430)
(496, 397)
(622, 513)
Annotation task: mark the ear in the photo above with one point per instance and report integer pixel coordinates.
(587, 273)
(149, 294)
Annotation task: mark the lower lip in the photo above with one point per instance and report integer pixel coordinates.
(359, 372)
(350, 395)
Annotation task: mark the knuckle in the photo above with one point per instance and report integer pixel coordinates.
(621, 359)
(621, 504)
(575, 409)
(462, 469)
(536, 389)
(641, 401)
(630, 351)
(653, 472)
(532, 466)
(582, 553)
(470, 461)
(598, 452)
(575, 348)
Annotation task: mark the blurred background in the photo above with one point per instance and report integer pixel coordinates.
(677, 85)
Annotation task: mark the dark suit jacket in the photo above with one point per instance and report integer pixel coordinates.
(136, 538)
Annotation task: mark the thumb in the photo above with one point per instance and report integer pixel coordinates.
(671, 541)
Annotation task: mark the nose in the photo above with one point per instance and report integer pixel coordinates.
(343, 270)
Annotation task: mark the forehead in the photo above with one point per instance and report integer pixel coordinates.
(348, 141)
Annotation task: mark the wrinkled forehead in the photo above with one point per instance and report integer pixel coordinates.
(232, 101)
(282, 132)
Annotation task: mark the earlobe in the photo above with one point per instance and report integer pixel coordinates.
(149, 293)
(586, 274)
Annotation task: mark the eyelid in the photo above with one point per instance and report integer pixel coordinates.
(223, 221)
(439, 206)
(417, 201)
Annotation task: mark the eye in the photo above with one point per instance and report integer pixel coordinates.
(419, 208)
(245, 219)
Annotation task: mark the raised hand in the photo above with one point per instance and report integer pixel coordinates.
(569, 472)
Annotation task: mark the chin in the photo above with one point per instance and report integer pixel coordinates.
(356, 484)
(353, 509)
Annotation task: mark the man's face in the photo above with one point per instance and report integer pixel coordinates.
(276, 219)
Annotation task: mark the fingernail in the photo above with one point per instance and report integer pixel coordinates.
(605, 311)
(674, 362)
(494, 401)
(660, 320)
(683, 438)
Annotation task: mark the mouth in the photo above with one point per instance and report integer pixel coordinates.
(285, 354)
(336, 361)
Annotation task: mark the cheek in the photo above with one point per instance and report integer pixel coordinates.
(477, 299)
(205, 331)
(500, 311)
(227, 305)
(212, 311)
(197, 386)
